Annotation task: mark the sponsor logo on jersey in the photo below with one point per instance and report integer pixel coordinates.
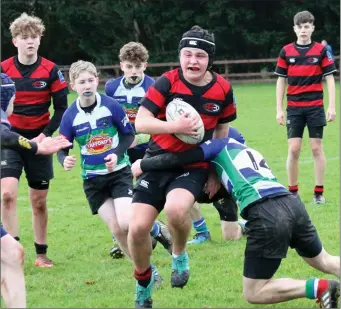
(99, 144)
(312, 60)
(131, 114)
(292, 60)
(211, 107)
(39, 84)
(329, 55)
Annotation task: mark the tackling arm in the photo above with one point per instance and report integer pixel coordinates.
(172, 160)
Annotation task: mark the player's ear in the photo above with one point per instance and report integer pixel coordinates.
(72, 85)
(14, 41)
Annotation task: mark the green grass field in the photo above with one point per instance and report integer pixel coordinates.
(85, 275)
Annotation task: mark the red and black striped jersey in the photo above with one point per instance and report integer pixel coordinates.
(304, 66)
(214, 102)
(35, 85)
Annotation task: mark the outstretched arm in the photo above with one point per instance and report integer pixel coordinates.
(10, 139)
(47, 146)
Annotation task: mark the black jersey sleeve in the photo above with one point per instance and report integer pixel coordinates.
(10, 139)
(172, 160)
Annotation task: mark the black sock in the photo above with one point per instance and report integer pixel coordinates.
(318, 190)
(40, 249)
(143, 278)
(17, 238)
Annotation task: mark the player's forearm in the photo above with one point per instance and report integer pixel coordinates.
(10, 139)
(125, 140)
(152, 125)
(60, 106)
(172, 160)
(61, 155)
(331, 90)
(280, 89)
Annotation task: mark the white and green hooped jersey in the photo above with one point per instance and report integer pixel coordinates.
(242, 170)
(96, 133)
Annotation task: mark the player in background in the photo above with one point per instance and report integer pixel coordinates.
(13, 288)
(128, 90)
(103, 132)
(232, 228)
(302, 65)
(212, 96)
(276, 219)
(37, 81)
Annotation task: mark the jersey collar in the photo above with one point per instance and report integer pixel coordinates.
(98, 100)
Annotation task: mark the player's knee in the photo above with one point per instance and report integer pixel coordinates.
(38, 204)
(176, 214)
(8, 198)
(139, 230)
(294, 151)
(317, 150)
(251, 296)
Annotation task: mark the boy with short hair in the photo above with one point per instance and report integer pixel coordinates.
(303, 64)
(101, 128)
(37, 81)
(128, 90)
(176, 191)
(103, 131)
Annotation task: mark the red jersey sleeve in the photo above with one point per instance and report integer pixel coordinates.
(230, 110)
(156, 95)
(282, 66)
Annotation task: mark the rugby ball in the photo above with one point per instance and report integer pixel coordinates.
(175, 109)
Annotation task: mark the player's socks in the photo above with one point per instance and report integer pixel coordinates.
(144, 278)
(318, 190)
(155, 229)
(200, 226)
(293, 189)
(40, 249)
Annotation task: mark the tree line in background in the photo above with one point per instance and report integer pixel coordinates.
(94, 30)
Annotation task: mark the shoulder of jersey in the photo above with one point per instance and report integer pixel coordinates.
(318, 45)
(47, 63)
(6, 63)
(172, 75)
(114, 82)
(71, 110)
(290, 45)
(106, 99)
(149, 79)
